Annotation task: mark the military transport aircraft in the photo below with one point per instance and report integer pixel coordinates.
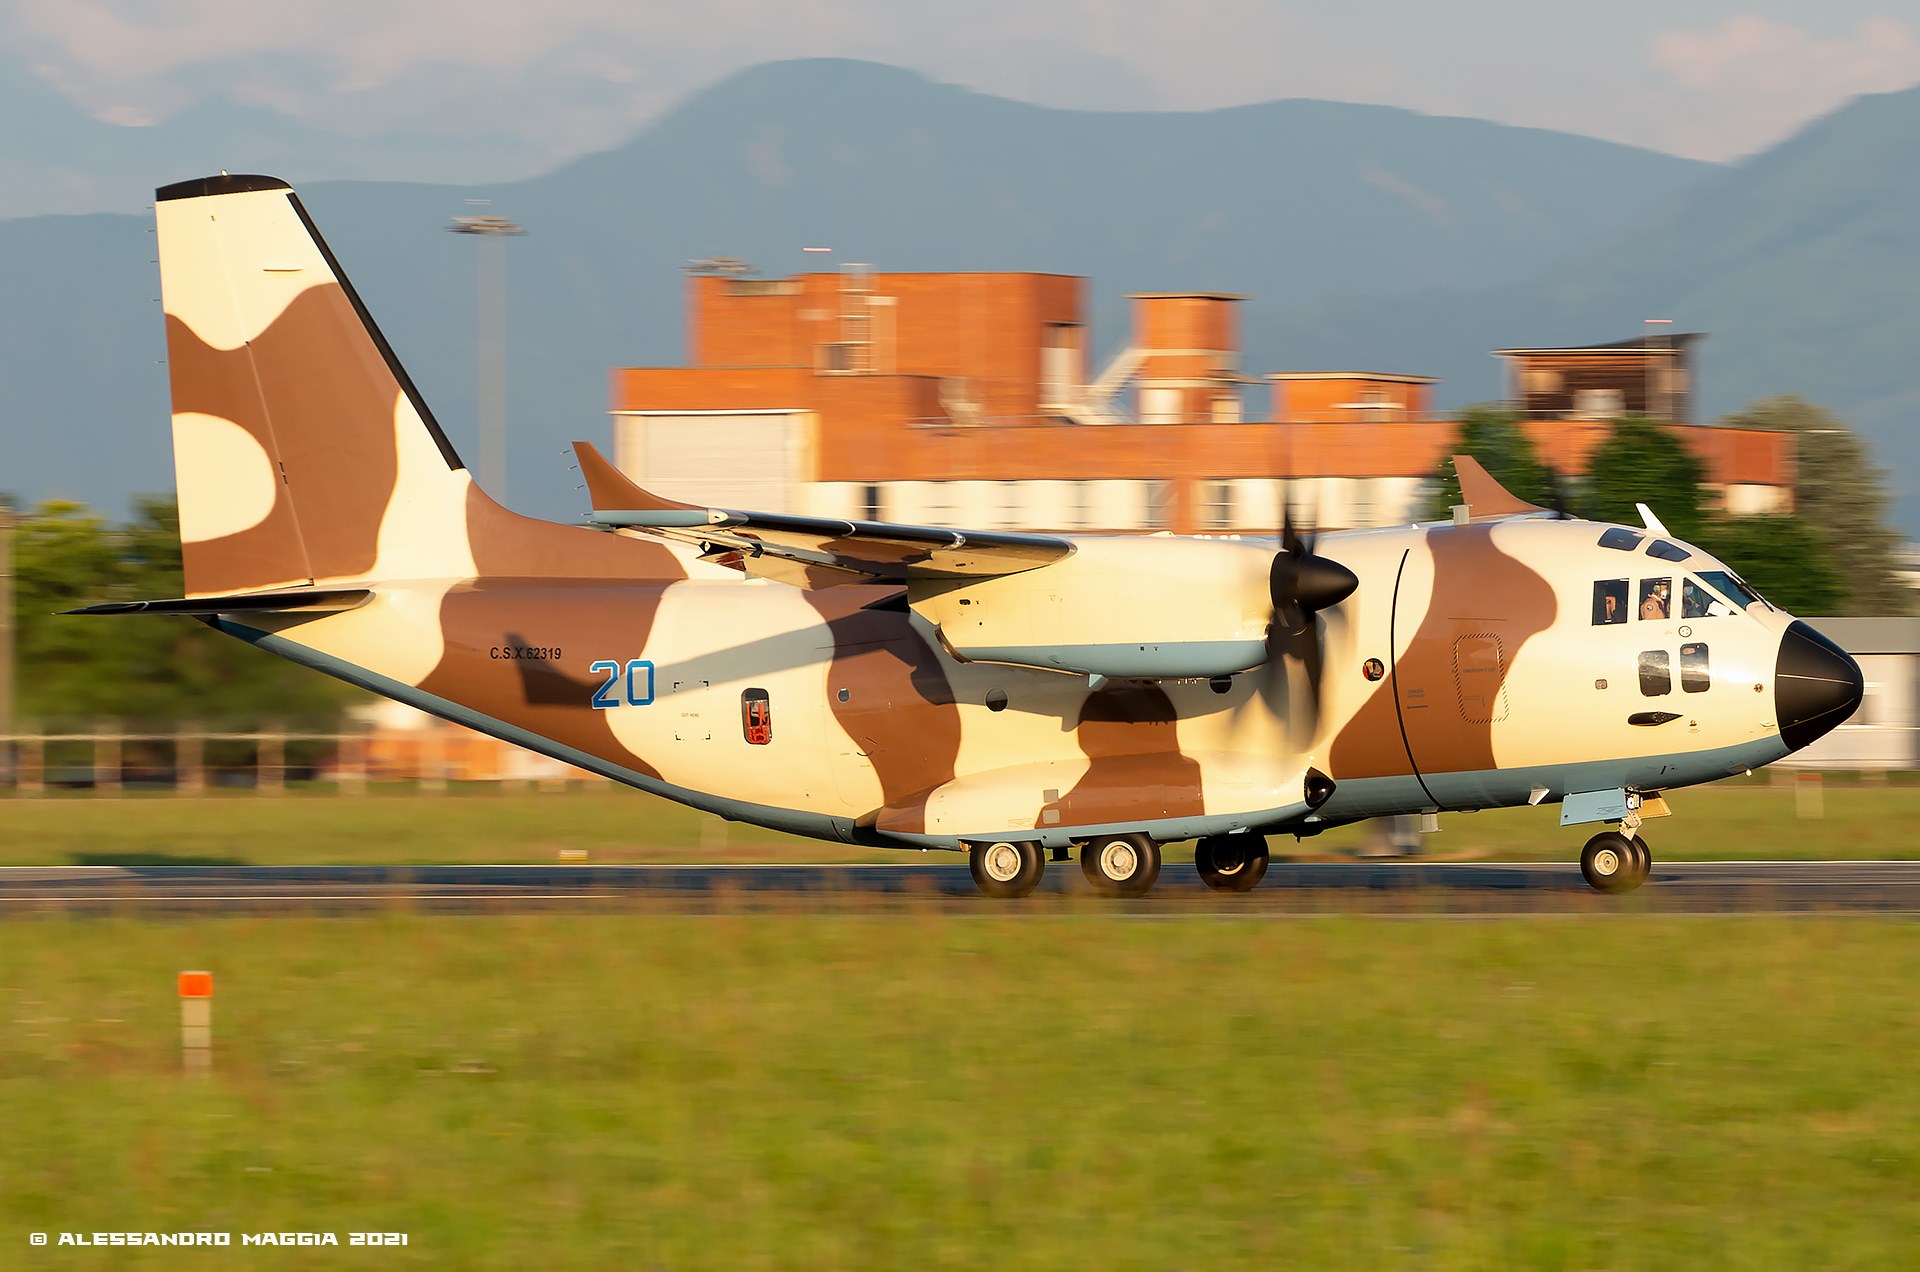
(1015, 696)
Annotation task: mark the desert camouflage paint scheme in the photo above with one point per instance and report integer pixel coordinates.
(814, 685)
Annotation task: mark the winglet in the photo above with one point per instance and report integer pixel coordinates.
(1485, 496)
(612, 491)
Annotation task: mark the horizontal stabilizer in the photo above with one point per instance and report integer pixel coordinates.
(309, 601)
(851, 550)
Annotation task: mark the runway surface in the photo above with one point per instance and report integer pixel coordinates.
(1398, 888)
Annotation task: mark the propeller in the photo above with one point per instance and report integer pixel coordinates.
(1302, 586)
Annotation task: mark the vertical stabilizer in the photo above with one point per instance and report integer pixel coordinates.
(302, 453)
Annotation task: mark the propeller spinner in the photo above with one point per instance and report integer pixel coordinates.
(1302, 585)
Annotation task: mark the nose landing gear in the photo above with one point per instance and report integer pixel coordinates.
(1616, 862)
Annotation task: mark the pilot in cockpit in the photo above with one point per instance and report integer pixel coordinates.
(1697, 602)
(1653, 598)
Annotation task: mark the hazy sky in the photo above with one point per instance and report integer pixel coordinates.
(1707, 78)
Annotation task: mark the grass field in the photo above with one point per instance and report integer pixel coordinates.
(482, 824)
(926, 1090)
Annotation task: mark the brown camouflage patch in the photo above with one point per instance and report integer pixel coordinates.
(1135, 771)
(220, 383)
(1450, 683)
(551, 697)
(899, 707)
(507, 545)
(321, 400)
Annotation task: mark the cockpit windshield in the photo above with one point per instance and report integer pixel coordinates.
(1698, 602)
(1731, 588)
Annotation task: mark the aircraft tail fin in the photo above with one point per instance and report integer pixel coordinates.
(302, 452)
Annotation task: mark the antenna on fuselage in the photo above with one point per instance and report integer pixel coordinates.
(1652, 522)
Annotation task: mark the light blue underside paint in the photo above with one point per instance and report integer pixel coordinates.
(1351, 801)
(1593, 806)
(1194, 659)
(663, 517)
(1509, 787)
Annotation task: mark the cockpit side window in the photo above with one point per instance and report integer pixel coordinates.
(1668, 551)
(1730, 588)
(1697, 602)
(1609, 602)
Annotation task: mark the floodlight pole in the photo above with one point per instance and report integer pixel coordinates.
(7, 748)
(491, 330)
(1662, 368)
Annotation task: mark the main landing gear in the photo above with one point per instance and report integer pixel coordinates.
(1616, 862)
(1231, 863)
(1120, 865)
(1006, 869)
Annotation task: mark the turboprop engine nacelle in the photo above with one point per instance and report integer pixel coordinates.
(1135, 607)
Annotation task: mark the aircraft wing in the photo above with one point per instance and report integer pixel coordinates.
(812, 551)
(290, 601)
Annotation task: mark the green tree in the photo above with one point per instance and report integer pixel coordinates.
(1642, 461)
(1494, 437)
(1841, 497)
(138, 669)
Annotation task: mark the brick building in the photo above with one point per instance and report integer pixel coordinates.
(968, 399)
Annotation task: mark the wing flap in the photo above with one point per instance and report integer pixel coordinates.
(860, 549)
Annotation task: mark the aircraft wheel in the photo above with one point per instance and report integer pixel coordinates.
(1610, 864)
(1121, 865)
(1006, 869)
(1642, 860)
(1231, 863)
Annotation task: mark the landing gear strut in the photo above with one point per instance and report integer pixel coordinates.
(1006, 870)
(1231, 863)
(1121, 865)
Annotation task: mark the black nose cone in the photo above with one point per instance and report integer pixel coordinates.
(1816, 685)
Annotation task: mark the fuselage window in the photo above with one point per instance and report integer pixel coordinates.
(1609, 602)
(1656, 674)
(1656, 598)
(1622, 539)
(756, 716)
(1736, 592)
(1698, 602)
(1694, 677)
(1668, 551)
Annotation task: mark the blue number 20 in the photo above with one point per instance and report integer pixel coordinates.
(636, 696)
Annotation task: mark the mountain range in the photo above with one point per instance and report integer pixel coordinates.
(1365, 237)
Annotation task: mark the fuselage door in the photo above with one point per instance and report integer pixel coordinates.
(1461, 614)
